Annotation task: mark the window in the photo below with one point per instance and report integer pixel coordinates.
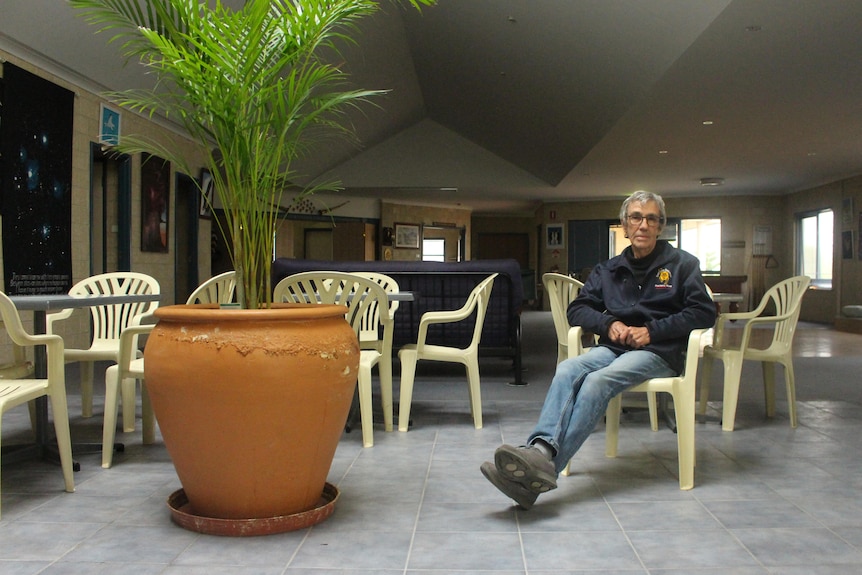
(433, 250)
(702, 238)
(814, 247)
(699, 237)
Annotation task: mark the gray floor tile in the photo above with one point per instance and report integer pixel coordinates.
(768, 499)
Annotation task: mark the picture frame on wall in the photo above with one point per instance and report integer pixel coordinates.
(554, 236)
(847, 244)
(407, 236)
(155, 200)
(206, 199)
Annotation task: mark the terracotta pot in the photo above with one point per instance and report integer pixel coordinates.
(251, 403)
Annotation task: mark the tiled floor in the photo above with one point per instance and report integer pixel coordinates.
(768, 498)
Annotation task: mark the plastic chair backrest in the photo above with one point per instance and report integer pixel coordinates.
(218, 289)
(362, 296)
(110, 320)
(786, 299)
(368, 331)
(479, 298)
(561, 290)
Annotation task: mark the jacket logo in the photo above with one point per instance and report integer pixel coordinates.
(664, 277)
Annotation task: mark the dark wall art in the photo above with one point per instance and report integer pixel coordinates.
(36, 173)
(155, 199)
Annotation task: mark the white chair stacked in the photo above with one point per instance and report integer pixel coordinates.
(108, 322)
(363, 298)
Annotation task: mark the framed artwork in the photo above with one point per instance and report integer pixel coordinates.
(847, 244)
(407, 236)
(206, 199)
(155, 199)
(554, 236)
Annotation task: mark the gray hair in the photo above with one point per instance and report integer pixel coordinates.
(643, 197)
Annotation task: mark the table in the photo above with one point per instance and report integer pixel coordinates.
(39, 305)
(733, 299)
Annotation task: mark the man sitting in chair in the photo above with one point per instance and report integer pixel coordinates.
(643, 304)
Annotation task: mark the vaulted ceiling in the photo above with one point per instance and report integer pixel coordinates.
(499, 105)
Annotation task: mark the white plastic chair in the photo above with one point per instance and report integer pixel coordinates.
(561, 290)
(128, 369)
(15, 392)
(108, 322)
(218, 289)
(682, 390)
(363, 298)
(410, 354)
(369, 336)
(778, 308)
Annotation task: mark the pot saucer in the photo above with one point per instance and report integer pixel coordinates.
(182, 515)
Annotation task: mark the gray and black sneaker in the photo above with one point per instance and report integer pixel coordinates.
(528, 466)
(511, 489)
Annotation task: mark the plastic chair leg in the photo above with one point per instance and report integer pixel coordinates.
(64, 439)
(109, 427)
(732, 373)
(408, 372)
(612, 425)
(475, 393)
(652, 406)
(384, 368)
(128, 402)
(366, 412)
(684, 407)
(86, 389)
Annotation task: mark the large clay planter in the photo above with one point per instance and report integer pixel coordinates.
(251, 403)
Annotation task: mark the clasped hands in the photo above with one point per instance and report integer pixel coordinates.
(634, 337)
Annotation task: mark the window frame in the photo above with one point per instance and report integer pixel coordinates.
(817, 281)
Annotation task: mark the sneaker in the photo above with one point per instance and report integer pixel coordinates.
(511, 489)
(528, 466)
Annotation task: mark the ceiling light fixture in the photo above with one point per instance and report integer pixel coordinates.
(711, 181)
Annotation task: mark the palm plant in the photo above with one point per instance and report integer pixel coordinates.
(247, 85)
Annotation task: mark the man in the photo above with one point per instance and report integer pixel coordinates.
(643, 304)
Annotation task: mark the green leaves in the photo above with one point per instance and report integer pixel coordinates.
(247, 85)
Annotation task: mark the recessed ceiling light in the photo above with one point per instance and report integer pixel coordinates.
(711, 181)
(708, 122)
(662, 151)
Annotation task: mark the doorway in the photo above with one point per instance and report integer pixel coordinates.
(110, 211)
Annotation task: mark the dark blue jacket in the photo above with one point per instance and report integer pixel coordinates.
(672, 302)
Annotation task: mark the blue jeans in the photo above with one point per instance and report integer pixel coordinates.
(580, 392)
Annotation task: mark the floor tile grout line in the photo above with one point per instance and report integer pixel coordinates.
(421, 502)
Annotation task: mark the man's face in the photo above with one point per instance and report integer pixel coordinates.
(643, 234)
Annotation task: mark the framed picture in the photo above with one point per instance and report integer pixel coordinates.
(155, 199)
(847, 244)
(554, 236)
(407, 236)
(206, 199)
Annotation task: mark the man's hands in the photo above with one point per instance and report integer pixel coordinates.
(634, 337)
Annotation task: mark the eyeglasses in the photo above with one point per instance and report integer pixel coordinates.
(652, 221)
